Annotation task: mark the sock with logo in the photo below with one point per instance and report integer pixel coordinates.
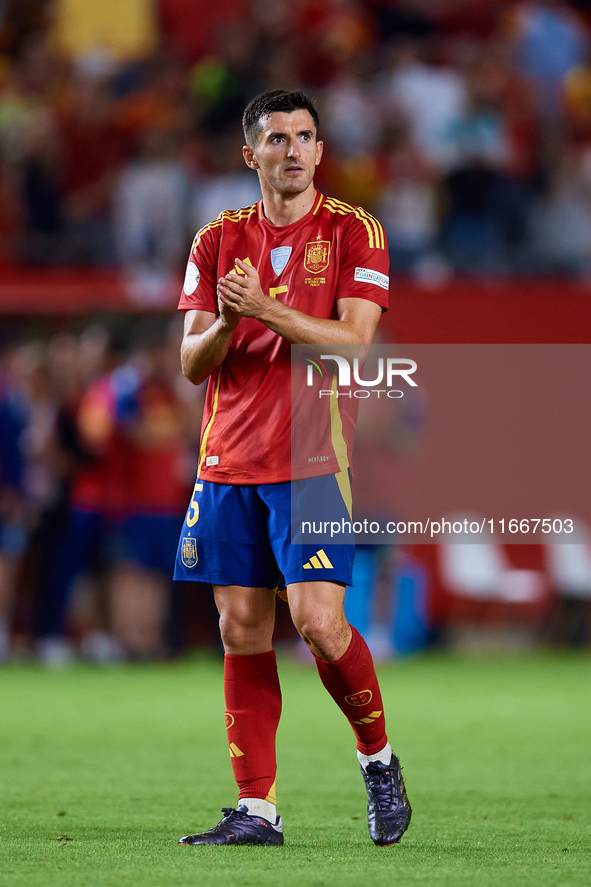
(253, 709)
(353, 684)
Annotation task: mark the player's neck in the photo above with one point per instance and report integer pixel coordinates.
(285, 209)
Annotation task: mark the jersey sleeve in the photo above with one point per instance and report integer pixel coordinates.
(199, 287)
(365, 262)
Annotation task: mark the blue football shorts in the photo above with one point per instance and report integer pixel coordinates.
(242, 534)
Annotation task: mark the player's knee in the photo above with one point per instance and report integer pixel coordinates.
(233, 631)
(238, 631)
(324, 638)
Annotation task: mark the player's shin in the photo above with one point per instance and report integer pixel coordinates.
(352, 682)
(253, 709)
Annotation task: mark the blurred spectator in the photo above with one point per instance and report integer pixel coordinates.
(17, 110)
(477, 134)
(486, 209)
(551, 39)
(10, 212)
(560, 220)
(222, 82)
(158, 478)
(151, 217)
(229, 184)
(93, 147)
(432, 98)
(407, 19)
(473, 233)
(29, 152)
(407, 206)
(501, 87)
(107, 465)
(40, 178)
(153, 96)
(12, 495)
(351, 116)
(577, 99)
(194, 39)
(328, 34)
(276, 54)
(464, 20)
(90, 428)
(20, 18)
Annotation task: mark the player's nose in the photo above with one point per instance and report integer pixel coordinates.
(293, 148)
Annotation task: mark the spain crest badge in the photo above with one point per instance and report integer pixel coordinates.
(362, 698)
(317, 256)
(189, 552)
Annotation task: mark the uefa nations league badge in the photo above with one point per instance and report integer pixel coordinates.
(279, 258)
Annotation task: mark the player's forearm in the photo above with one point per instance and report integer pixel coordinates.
(202, 353)
(302, 329)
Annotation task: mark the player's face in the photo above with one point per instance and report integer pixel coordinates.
(287, 152)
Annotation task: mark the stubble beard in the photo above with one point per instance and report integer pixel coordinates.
(292, 188)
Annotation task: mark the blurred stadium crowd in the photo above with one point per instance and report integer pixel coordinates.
(465, 126)
(98, 438)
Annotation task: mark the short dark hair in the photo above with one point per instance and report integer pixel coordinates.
(267, 103)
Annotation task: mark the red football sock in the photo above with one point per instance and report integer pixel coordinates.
(253, 709)
(353, 684)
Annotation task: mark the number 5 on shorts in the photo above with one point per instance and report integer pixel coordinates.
(193, 510)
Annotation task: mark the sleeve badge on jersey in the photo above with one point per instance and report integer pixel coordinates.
(366, 275)
(317, 256)
(191, 279)
(189, 552)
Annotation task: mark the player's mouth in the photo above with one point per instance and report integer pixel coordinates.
(294, 168)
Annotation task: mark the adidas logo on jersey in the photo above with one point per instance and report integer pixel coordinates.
(319, 561)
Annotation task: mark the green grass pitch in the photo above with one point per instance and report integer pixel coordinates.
(103, 770)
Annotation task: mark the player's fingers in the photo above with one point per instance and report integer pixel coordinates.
(227, 283)
(248, 269)
(232, 277)
(240, 287)
(229, 301)
(226, 287)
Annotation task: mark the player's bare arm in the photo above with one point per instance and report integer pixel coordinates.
(206, 341)
(243, 295)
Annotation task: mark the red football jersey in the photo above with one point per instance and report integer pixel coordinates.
(335, 251)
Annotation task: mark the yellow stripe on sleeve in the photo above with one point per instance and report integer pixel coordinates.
(231, 215)
(374, 229)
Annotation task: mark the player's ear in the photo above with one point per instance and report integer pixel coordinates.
(319, 150)
(249, 158)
